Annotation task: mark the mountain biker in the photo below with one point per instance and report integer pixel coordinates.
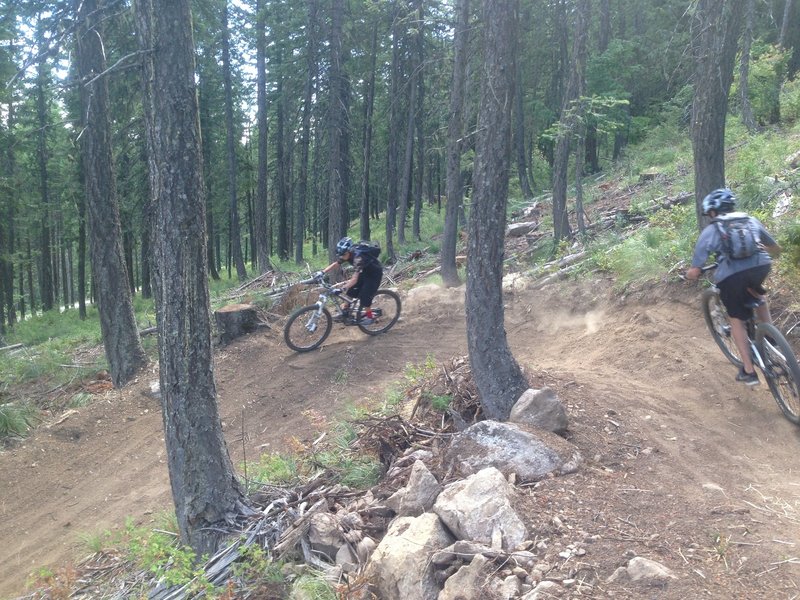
(364, 282)
(740, 280)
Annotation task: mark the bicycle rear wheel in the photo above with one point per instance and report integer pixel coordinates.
(386, 311)
(305, 330)
(782, 371)
(717, 320)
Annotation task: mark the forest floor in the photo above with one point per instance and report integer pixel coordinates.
(682, 464)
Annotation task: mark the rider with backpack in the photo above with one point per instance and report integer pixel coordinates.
(744, 249)
(366, 279)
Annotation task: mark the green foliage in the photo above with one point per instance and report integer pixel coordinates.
(748, 170)
(354, 469)
(274, 468)
(648, 253)
(790, 101)
(790, 241)
(16, 420)
(440, 402)
(767, 73)
(312, 587)
(161, 553)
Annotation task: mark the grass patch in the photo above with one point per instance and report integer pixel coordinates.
(16, 419)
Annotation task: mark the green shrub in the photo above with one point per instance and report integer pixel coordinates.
(16, 420)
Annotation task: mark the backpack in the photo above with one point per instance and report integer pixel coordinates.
(370, 251)
(739, 236)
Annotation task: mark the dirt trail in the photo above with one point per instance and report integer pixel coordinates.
(639, 373)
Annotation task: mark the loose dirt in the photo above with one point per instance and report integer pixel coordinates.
(681, 464)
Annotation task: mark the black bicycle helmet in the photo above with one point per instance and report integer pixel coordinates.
(343, 246)
(721, 201)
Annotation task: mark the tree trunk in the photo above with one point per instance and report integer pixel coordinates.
(235, 320)
(455, 130)
(46, 264)
(787, 13)
(519, 141)
(205, 127)
(420, 120)
(281, 166)
(230, 137)
(715, 31)
(338, 214)
(498, 377)
(117, 322)
(408, 163)
(744, 67)
(262, 231)
(204, 485)
(393, 149)
(305, 136)
(369, 105)
(11, 163)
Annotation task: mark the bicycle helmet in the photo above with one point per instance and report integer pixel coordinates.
(343, 246)
(721, 201)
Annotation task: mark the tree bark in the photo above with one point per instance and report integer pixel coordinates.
(744, 67)
(230, 138)
(305, 136)
(498, 377)
(262, 232)
(369, 106)
(455, 128)
(204, 486)
(117, 322)
(393, 151)
(787, 13)
(45, 265)
(715, 31)
(338, 213)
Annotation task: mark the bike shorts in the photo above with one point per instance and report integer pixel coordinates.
(733, 291)
(368, 283)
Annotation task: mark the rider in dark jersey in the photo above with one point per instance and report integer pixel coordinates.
(365, 280)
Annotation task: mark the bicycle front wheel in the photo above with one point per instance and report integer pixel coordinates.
(781, 369)
(717, 320)
(385, 310)
(306, 330)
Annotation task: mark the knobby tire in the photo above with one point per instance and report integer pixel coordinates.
(296, 333)
(717, 320)
(782, 371)
(389, 304)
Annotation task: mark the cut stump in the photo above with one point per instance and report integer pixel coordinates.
(235, 320)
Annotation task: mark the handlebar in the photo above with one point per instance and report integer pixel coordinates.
(709, 267)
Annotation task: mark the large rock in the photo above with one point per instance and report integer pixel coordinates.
(540, 408)
(469, 582)
(478, 508)
(418, 495)
(528, 452)
(400, 566)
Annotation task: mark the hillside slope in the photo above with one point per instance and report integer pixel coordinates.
(682, 464)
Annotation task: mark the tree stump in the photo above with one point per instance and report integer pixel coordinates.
(235, 320)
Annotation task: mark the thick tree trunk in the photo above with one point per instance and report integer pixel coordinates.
(715, 31)
(744, 67)
(455, 128)
(262, 231)
(45, 263)
(369, 105)
(117, 322)
(230, 139)
(498, 377)
(338, 177)
(393, 150)
(235, 320)
(787, 13)
(305, 137)
(204, 485)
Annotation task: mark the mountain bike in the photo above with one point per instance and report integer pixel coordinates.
(769, 350)
(309, 327)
